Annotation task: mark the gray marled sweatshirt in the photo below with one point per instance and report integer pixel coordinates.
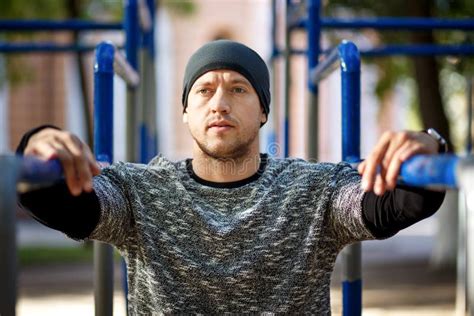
(267, 246)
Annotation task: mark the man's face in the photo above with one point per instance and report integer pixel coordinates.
(224, 114)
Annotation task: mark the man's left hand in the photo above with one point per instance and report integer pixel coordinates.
(381, 168)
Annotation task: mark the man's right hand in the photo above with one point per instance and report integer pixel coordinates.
(75, 156)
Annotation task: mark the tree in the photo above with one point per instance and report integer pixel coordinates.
(425, 70)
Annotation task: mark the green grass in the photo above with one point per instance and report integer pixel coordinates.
(29, 256)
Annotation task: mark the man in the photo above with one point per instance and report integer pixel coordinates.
(230, 230)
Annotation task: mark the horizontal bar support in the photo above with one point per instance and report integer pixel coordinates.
(396, 24)
(10, 48)
(64, 25)
(405, 50)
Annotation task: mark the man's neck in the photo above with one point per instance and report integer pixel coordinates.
(225, 169)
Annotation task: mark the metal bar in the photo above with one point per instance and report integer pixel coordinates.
(419, 50)
(43, 47)
(144, 15)
(34, 170)
(62, 25)
(147, 100)
(325, 67)
(132, 32)
(8, 264)
(287, 86)
(397, 24)
(149, 35)
(314, 50)
(434, 171)
(152, 117)
(407, 50)
(125, 70)
(103, 149)
(461, 260)
(350, 96)
(388, 23)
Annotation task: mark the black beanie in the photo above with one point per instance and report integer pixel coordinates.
(225, 54)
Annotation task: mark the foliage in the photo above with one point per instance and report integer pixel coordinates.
(394, 69)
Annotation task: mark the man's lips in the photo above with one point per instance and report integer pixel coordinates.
(220, 126)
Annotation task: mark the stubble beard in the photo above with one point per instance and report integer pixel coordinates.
(236, 152)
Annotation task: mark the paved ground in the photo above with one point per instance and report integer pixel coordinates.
(397, 280)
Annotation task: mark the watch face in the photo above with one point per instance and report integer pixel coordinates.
(442, 144)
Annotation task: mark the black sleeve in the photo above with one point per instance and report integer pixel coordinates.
(56, 207)
(395, 210)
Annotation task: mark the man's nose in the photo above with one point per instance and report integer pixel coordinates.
(220, 102)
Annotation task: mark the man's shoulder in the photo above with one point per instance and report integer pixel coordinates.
(158, 167)
(302, 165)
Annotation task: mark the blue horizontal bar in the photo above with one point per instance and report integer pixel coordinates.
(33, 170)
(64, 25)
(387, 23)
(430, 171)
(405, 23)
(407, 50)
(43, 47)
(419, 50)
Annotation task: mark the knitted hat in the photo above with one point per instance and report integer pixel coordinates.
(225, 54)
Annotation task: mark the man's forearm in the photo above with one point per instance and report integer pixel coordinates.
(395, 210)
(56, 207)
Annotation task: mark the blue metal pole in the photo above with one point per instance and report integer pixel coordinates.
(43, 47)
(287, 83)
(132, 32)
(314, 49)
(103, 149)
(64, 25)
(103, 102)
(409, 50)
(350, 79)
(147, 104)
(388, 23)
(132, 41)
(420, 50)
(430, 171)
(151, 91)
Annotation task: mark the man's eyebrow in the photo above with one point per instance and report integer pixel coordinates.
(203, 83)
(240, 80)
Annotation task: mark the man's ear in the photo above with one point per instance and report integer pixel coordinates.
(185, 117)
(264, 118)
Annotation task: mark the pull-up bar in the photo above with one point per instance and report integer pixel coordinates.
(64, 25)
(388, 23)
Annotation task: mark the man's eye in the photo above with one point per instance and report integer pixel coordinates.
(238, 90)
(203, 91)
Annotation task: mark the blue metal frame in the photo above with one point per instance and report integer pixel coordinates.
(43, 47)
(408, 50)
(103, 102)
(388, 23)
(430, 171)
(347, 56)
(315, 24)
(132, 32)
(63, 25)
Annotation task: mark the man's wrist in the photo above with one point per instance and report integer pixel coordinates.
(440, 140)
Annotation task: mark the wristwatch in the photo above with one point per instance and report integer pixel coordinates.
(442, 144)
